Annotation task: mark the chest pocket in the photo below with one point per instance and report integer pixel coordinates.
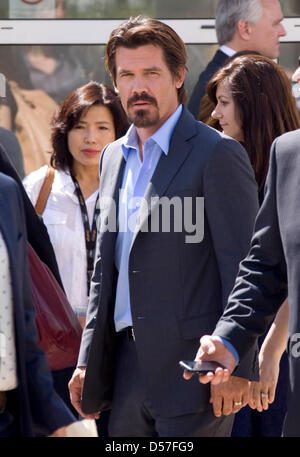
(60, 235)
(51, 217)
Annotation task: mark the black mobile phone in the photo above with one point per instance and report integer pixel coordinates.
(199, 367)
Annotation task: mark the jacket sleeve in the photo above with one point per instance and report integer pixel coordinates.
(261, 285)
(231, 205)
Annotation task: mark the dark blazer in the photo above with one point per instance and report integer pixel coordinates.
(38, 408)
(200, 87)
(177, 289)
(36, 230)
(272, 269)
(10, 143)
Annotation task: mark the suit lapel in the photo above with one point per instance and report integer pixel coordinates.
(112, 177)
(116, 167)
(111, 180)
(167, 167)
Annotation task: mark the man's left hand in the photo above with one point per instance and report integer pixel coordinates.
(229, 397)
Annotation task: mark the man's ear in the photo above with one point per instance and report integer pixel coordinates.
(180, 77)
(116, 89)
(245, 29)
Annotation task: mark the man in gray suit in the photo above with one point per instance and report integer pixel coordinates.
(269, 273)
(241, 25)
(165, 264)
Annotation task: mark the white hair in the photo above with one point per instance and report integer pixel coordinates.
(230, 12)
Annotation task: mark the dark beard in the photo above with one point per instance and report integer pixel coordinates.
(141, 117)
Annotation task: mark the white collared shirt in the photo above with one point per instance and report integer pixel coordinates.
(227, 50)
(62, 217)
(8, 366)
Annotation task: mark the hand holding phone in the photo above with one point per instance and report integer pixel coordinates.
(199, 367)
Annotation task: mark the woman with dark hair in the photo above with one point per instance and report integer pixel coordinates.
(253, 103)
(256, 95)
(88, 119)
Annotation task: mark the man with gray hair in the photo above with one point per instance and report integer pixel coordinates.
(241, 25)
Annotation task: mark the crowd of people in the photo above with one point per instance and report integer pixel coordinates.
(143, 290)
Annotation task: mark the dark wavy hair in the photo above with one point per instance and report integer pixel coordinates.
(76, 104)
(264, 102)
(142, 30)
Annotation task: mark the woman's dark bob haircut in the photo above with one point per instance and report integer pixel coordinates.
(76, 104)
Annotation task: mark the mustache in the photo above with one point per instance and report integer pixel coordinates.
(143, 97)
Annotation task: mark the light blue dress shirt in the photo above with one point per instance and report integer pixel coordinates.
(136, 178)
(230, 348)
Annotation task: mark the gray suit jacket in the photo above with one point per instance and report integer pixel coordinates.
(272, 269)
(177, 289)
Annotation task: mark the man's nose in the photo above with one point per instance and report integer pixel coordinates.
(282, 31)
(139, 85)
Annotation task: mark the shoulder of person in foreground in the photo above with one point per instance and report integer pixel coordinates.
(109, 150)
(228, 176)
(110, 155)
(287, 145)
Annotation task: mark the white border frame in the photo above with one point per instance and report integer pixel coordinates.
(97, 31)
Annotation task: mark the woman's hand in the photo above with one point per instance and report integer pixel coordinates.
(262, 393)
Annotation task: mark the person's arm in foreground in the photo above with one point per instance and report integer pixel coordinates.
(260, 288)
(263, 392)
(233, 205)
